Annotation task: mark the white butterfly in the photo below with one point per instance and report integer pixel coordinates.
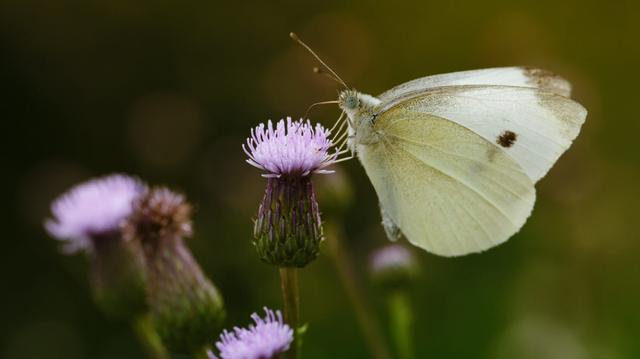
(454, 157)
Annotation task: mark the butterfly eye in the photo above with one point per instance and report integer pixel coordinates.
(351, 102)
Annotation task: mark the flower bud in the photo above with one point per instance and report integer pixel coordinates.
(186, 308)
(288, 230)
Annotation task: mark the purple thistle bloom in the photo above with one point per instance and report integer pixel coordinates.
(393, 266)
(288, 228)
(265, 339)
(391, 256)
(88, 217)
(294, 148)
(93, 208)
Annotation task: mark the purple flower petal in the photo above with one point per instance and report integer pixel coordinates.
(266, 338)
(92, 208)
(391, 256)
(291, 148)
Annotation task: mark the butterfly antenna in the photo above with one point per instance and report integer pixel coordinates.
(319, 71)
(316, 104)
(333, 74)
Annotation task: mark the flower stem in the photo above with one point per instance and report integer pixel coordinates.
(291, 297)
(150, 338)
(400, 316)
(368, 323)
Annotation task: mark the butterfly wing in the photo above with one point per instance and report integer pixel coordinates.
(450, 191)
(499, 76)
(533, 126)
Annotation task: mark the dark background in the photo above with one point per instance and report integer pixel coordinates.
(168, 90)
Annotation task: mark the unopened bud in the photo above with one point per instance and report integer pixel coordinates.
(186, 308)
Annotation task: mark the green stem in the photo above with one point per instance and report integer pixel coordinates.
(150, 338)
(400, 316)
(368, 323)
(291, 298)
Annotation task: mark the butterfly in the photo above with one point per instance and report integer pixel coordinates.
(454, 158)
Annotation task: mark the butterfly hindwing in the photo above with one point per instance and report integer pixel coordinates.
(449, 190)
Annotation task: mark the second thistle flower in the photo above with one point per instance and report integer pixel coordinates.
(288, 228)
(186, 307)
(87, 219)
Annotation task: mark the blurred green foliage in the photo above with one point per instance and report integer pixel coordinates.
(168, 90)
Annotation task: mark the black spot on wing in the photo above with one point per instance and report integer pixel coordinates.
(507, 139)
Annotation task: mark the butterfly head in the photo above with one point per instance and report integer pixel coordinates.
(355, 103)
(360, 110)
(349, 100)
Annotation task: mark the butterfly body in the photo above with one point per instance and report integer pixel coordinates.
(361, 111)
(454, 157)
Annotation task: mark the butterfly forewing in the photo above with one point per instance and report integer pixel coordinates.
(449, 190)
(499, 76)
(534, 127)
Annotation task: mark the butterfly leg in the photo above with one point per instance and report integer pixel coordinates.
(390, 228)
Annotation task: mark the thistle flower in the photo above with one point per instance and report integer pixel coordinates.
(91, 210)
(393, 266)
(265, 339)
(288, 228)
(291, 149)
(88, 218)
(186, 308)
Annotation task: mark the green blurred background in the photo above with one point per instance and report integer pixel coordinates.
(168, 90)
